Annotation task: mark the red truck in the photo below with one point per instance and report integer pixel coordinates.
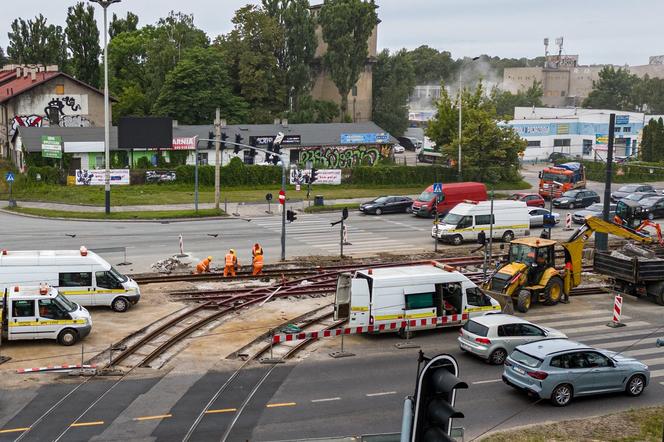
(453, 194)
(558, 179)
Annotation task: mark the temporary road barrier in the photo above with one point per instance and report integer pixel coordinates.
(441, 320)
(568, 221)
(63, 367)
(617, 311)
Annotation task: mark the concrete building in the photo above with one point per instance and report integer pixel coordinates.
(581, 133)
(41, 96)
(564, 82)
(335, 145)
(360, 98)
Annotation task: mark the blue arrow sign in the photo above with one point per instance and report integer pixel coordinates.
(438, 188)
(9, 177)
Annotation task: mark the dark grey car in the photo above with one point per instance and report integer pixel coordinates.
(576, 198)
(630, 188)
(579, 217)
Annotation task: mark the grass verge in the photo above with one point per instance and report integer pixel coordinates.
(144, 215)
(643, 424)
(331, 208)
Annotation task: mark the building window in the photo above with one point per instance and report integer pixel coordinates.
(534, 143)
(60, 89)
(617, 129)
(562, 93)
(562, 142)
(587, 147)
(625, 129)
(100, 161)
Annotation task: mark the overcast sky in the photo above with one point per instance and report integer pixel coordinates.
(600, 31)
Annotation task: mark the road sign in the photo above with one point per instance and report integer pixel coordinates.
(438, 188)
(9, 177)
(282, 197)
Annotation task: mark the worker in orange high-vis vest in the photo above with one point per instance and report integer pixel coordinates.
(565, 296)
(230, 263)
(257, 254)
(203, 266)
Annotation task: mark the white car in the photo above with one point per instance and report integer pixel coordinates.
(399, 148)
(537, 216)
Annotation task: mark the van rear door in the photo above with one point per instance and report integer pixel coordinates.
(22, 319)
(342, 297)
(360, 298)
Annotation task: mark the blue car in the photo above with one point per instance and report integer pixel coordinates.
(560, 369)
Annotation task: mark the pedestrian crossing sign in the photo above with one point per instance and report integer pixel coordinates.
(9, 177)
(438, 188)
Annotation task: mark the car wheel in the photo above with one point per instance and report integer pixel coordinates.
(553, 291)
(571, 205)
(523, 301)
(67, 337)
(651, 216)
(497, 357)
(457, 240)
(379, 211)
(635, 385)
(561, 395)
(120, 304)
(508, 236)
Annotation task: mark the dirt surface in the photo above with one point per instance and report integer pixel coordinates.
(107, 327)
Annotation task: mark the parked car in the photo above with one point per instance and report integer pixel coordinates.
(453, 193)
(576, 198)
(560, 369)
(531, 199)
(537, 217)
(653, 207)
(387, 204)
(630, 188)
(638, 196)
(399, 148)
(493, 337)
(579, 217)
(558, 157)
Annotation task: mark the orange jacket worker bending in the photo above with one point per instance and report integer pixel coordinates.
(203, 266)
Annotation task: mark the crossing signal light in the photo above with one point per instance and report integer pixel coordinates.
(210, 138)
(434, 399)
(275, 159)
(290, 216)
(238, 140)
(224, 137)
(344, 213)
(314, 175)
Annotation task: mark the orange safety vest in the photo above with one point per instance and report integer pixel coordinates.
(258, 259)
(257, 251)
(229, 259)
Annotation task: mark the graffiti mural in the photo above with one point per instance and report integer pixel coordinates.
(25, 121)
(54, 110)
(74, 121)
(58, 111)
(346, 156)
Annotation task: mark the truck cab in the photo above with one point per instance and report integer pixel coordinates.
(556, 180)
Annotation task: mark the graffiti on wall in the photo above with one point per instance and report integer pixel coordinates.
(346, 156)
(25, 121)
(55, 109)
(59, 111)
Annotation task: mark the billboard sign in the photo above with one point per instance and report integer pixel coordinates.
(323, 176)
(369, 138)
(145, 133)
(622, 119)
(97, 177)
(264, 140)
(184, 143)
(51, 147)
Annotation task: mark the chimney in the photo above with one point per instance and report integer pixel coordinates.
(18, 71)
(33, 75)
(276, 122)
(284, 122)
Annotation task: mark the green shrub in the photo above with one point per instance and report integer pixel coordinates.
(46, 175)
(625, 173)
(236, 173)
(406, 175)
(143, 163)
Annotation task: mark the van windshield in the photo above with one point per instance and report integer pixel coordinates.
(426, 196)
(452, 219)
(64, 303)
(119, 276)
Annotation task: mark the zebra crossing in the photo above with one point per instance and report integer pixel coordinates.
(317, 232)
(637, 339)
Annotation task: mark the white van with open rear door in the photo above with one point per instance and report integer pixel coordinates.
(82, 276)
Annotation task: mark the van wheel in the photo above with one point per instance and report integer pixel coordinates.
(523, 301)
(403, 334)
(457, 240)
(553, 291)
(508, 236)
(68, 337)
(120, 304)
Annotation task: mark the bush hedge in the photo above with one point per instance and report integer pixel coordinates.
(374, 175)
(625, 173)
(236, 173)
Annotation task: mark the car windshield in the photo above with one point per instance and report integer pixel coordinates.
(522, 253)
(628, 189)
(452, 219)
(650, 201)
(119, 276)
(64, 303)
(548, 176)
(426, 196)
(380, 200)
(571, 194)
(596, 207)
(525, 359)
(635, 197)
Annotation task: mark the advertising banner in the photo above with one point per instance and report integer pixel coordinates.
(184, 143)
(97, 177)
(323, 176)
(373, 138)
(51, 147)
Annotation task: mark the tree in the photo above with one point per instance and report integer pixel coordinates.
(613, 90)
(652, 143)
(490, 151)
(309, 110)
(35, 42)
(196, 87)
(3, 59)
(300, 42)
(430, 65)
(119, 25)
(83, 42)
(505, 101)
(347, 26)
(393, 82)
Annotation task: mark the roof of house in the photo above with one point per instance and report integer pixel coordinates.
(312, 135)
(18, 85)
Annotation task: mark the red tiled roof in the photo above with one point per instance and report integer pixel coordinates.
(6, 76)
(21, 84)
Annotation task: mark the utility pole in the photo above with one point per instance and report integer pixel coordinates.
(217, 158)
(602, 239)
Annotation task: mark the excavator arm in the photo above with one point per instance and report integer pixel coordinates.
(574, 246)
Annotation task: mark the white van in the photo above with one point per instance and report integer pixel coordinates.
(389, 294)
(41, 313)
(466, 220)
(82, 276)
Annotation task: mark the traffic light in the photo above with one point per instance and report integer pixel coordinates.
(238, 140)
(314, 175)
(290, 216)
(224, 137)
(210, 140)
(344, 213)
(252, 152)
(434, 399)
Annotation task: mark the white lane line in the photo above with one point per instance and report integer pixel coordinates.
(662, 384)
(409, 226)
(643, 352)
(657, 374)
(580, 330)
(625, 345)
(384, 393)
(602, 337)
(560, 316)
(589, 321)
(327, 399)
(488, 381)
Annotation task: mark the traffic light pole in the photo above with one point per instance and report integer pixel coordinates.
(283, 212)
(217, 159)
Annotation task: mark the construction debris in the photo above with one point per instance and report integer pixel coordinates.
(171, 264)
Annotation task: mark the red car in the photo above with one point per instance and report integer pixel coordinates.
(531, 199)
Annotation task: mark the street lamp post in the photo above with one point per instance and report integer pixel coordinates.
(107, 129)
(460, 115)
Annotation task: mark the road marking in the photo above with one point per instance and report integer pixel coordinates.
(662, 384)
(581, 330)
(568, 322)
(282, 404)
(328, 399)
(87, 424)
(384, 393)
(221, 410)
(488, 381)
(14, 430)
(147, 418)
(656, 374)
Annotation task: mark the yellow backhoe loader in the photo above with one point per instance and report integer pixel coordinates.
(530, 274)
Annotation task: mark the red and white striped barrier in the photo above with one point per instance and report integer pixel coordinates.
(53, 368)
(181, 243)
(568, 221)
(441, 320)
(617, 309)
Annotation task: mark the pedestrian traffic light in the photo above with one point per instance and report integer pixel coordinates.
(270, 145)
(238, 140)
(434, 399)
(314, 175)
(210, 140)
(290, 216)
(344, 213)
(224, 137)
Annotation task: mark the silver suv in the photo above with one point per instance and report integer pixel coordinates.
(494, 336)
(559, 369)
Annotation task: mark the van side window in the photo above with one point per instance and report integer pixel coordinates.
(465, 222)
(484, 220)
(48, 309)
(419, 300)
(75, 279)
(23, 308)
(107, 280)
